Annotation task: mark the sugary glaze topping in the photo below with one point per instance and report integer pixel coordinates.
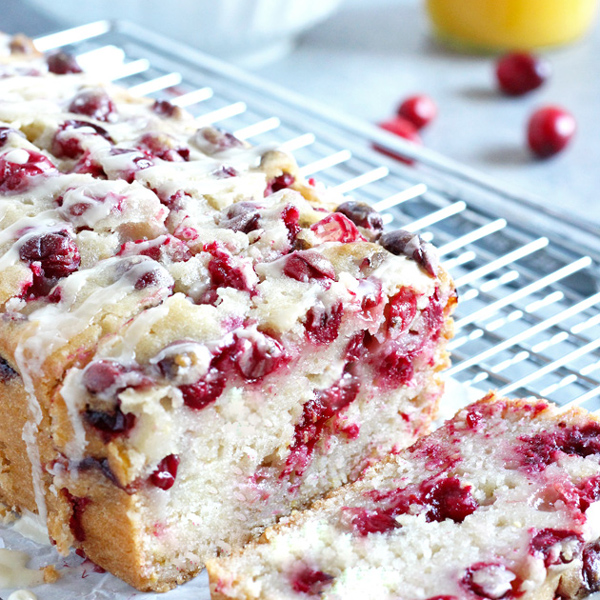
(168, 266)
(500, 502)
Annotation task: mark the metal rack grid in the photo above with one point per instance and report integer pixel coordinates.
(528, 322)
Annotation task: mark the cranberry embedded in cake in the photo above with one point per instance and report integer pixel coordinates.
(22, 169)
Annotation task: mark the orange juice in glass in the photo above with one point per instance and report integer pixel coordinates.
(511, 24)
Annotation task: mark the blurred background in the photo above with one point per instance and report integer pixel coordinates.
(364, 57)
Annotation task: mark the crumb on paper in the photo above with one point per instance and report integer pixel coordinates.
(51, 575)
(7, 516)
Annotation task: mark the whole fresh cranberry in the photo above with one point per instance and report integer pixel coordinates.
(62, 63)
(550, 130)
(420, 110)
(520, 72)
(94, 103)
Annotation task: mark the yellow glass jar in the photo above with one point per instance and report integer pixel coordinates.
(511, 24)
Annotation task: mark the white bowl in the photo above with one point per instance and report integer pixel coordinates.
(248, 31)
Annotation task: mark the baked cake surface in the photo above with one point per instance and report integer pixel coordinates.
(193, 339)
(501, 502)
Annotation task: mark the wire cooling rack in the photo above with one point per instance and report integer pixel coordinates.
(528, 321)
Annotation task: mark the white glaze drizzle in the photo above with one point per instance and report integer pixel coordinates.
(54, 325)
(44, 222)
(14, 571)
(22, 595)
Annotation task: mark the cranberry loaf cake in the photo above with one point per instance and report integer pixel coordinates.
(193, 339)
(500, 502)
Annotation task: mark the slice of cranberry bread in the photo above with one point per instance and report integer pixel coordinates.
(194, 340)
(500, 502)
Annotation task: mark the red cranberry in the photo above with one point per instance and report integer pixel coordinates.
(87, 165)
(519, 73)
(151, 279)
(78, 506)
(6, 371)
(224, 172)
(401, 311)
(5, 132)
(256, 359)
(138, 161)
(403, 128)
(205, 391)
(550, 130)
(402, 242)
(356, 348)
(540, 450)
(160, 145)
(419, 110)
(591, 567)
(546, 544)
(65, 143)
(589, 492)
(165, 247)
(19, 168)
(50, 256)
(62, 63)
(362, 215)
(223, 271)
(56, 252)
(242, 216)
(365, 521)
(101, 375)
(448, 499)
(313, 422)
(488, 580)
(322, 326)
(164, 108)
(308, 265)
(94, 103)
(110, 424)
(394, 366)
(337, 228)
(165, 473)
(212, 140)
(311, 582)
(175, 201)
(291, 216)
(281, 182)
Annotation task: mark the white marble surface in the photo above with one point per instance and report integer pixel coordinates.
(373, 53)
